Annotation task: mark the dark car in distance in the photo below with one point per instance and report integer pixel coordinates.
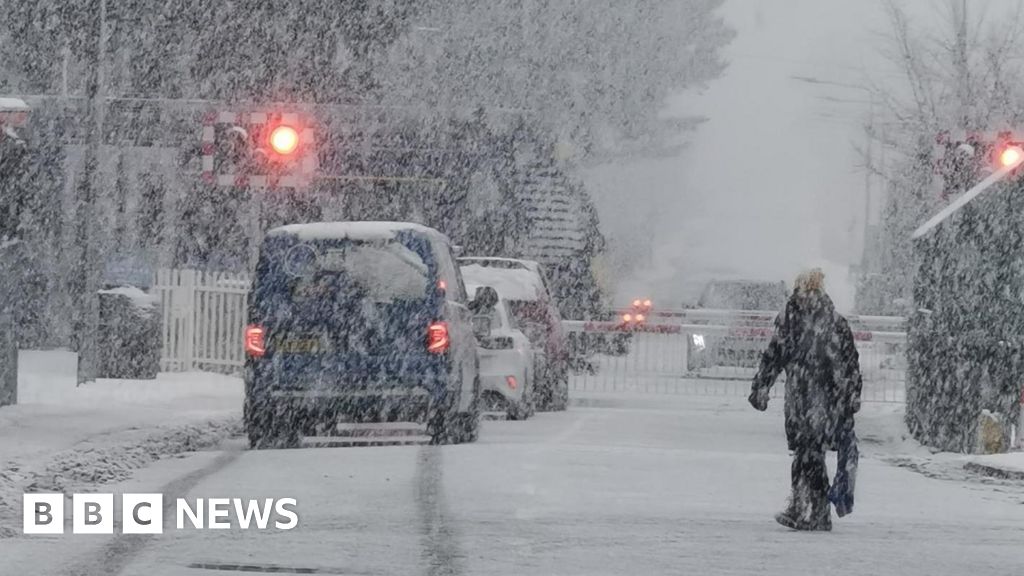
(740, 349)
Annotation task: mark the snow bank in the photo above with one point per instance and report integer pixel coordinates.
(139, 298)
(1009, 466)
(47, 380)
(64, 437)
(13, 104)
(101, 459)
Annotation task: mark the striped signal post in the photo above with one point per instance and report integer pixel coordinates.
(1009, 157)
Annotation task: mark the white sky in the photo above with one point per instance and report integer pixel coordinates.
(772, 183)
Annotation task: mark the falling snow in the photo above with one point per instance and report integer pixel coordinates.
(484, 285)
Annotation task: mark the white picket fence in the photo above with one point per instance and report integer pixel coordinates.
(204, 315)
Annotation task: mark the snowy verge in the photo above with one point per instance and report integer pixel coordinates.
(74, 438)
(1008, 466)
(881, 430)
(98, 461)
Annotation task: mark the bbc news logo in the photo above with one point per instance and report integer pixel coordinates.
(144, 513)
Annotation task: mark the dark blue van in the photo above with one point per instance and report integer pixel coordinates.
(359, 322)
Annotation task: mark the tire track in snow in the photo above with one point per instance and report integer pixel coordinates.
(117, 554)
(441, 540)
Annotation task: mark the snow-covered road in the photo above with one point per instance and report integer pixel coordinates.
(688, 488)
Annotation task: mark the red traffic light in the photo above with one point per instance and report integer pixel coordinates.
(1011, 156)
(637, 318)
(259, 149)
(642, 305)
(284, 140)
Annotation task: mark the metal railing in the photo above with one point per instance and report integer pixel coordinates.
(678, 355)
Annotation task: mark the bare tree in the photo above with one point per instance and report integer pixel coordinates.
(964, 77)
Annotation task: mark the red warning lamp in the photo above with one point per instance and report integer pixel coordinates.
(642, 305)
(284, 140)
(1011, 156)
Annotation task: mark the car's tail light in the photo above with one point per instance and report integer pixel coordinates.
(255, 341)
(437, 338)
(511, 380)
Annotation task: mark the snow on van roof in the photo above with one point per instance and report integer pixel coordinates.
(359, 230)
(510, 283)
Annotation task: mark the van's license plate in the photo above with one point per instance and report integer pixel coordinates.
(300, 346)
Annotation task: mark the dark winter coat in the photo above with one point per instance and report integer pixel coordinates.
(814, 345)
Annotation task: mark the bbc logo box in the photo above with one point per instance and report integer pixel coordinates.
(43, 513)
(93, 513)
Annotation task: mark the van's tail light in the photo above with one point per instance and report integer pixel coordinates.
(437, 338)
(255, 341)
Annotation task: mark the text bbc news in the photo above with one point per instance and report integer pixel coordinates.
(144, 513)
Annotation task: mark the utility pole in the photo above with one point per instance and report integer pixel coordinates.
(960, 59)
(865, 256)
(86, 283)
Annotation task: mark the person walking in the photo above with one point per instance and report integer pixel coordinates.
(814, 345)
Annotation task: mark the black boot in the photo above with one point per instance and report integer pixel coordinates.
(809, 508)
(797, 514)
(790, 517)
(814, 518)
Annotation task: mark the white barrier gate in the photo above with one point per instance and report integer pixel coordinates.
(669, 354)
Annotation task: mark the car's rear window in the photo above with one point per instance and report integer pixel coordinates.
(377, 271)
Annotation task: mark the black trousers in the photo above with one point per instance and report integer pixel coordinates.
(810, 476)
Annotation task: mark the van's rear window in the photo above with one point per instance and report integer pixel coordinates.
(382, 271)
